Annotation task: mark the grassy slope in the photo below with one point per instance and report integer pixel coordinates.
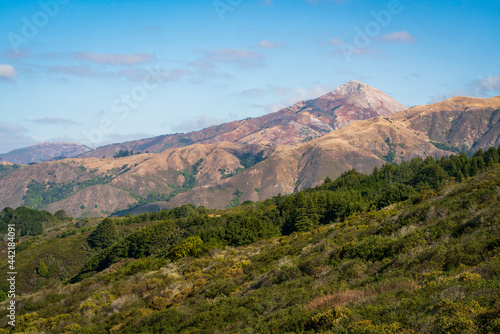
(62, 247)
(430, 265)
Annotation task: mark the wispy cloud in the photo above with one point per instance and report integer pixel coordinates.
(336, 41)
(81, 71)
(114, 58)
(243, 59)
(348, 50)
(139, 74)
(7, 72)
(486, 87)
(288, 95)
(13, 137)
(483, 87)
(12, 54)
(353, 51)
(54, 121)
(398, 37)
(199, 123)
(291, 95)
(257, 92)
(270, 45)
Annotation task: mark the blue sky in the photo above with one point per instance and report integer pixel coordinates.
(98, 72)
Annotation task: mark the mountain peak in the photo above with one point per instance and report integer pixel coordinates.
(353, 101)
(356, 83)
(354, 87)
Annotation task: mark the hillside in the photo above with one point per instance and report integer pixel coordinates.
(339, 258)
(99, 187)
(44, 152)
(303, 121)
(225, 174)
(456, 122)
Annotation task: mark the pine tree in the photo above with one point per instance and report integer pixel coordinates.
(104, 235)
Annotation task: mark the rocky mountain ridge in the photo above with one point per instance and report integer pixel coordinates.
(225, 173)
(289, 126)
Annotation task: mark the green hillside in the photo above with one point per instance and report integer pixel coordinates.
(412, 248)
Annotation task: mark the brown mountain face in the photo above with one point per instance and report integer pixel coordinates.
(304, 121)
(458, 121)
(99, 187)
(223, 174)
(44, 152)
(362, 145)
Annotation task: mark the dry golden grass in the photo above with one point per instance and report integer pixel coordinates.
(340, 298)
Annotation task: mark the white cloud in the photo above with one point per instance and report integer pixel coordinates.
(114, 58)
(54, 121)
(17, 54)
(138, 74)
(270, 45)
(336, 41)
(81, 71)
(348, 52)
(7, 71)
(486, 87)
(398, 37)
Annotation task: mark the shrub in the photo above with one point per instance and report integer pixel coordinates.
(192, 246)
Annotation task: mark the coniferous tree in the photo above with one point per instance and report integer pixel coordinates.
(104, 235)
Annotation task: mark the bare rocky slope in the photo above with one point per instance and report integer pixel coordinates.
(226, 173)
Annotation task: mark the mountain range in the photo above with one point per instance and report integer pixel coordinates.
(44, 152)
(355, 126)
(303, 121)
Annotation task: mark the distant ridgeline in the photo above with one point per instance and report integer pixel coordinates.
(333, 201)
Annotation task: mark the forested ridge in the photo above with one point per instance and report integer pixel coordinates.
(410, 248)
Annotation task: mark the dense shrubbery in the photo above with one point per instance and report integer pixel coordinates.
(414, 249)
(28, 222)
